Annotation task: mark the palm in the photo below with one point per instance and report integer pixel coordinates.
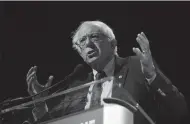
(34, 86)
(145, 56)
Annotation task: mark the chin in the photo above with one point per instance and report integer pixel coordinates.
(92, 60)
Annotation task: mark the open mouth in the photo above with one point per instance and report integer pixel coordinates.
(91, 53)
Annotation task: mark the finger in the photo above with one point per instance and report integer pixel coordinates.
(30, 76)
(34, 76)
(33, 89)
(143, 34)
(30, 81)
(144, 44)
(35, 68)
(138, 52)
(141, 44)
(49, 81)
(143, 39)
(30, 91)
(30, 71)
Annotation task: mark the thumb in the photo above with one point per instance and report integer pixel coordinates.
(138, 52)
(49, 81)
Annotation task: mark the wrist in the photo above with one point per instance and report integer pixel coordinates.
(150, 75)
(151, 78)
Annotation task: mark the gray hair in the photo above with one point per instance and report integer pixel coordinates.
(102, 26)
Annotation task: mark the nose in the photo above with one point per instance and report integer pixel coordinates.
(88, 42)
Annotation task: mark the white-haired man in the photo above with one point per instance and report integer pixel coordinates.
(139, 75)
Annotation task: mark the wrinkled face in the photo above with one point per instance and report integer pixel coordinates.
(95, 46)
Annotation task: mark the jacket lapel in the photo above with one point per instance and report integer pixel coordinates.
(121, 70)
(120, 74)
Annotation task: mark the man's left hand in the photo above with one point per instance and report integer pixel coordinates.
(145, 56)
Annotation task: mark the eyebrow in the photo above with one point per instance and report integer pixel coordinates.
(77, 36)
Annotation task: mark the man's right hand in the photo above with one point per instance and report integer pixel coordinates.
(34, 86)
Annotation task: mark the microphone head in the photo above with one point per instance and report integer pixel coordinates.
(78, 71)
(78, 68)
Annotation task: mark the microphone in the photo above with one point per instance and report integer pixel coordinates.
(77, 71)
(11, 100)
(5, 101)
(15, 99)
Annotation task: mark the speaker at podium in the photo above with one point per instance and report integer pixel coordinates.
(112, 111)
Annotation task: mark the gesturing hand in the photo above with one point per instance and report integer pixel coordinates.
(34, 86)
(145, 56)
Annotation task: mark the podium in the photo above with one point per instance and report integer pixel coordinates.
(117, 110)
(106, 114)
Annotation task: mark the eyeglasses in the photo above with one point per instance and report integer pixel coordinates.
(94, 37)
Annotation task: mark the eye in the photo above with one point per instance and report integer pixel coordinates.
(82, 40)
(94, 36)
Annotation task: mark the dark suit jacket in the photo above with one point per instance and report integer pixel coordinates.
(161, 100)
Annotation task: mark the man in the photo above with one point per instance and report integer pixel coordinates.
(139, 75)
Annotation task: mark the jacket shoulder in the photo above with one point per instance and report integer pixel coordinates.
(134, 66)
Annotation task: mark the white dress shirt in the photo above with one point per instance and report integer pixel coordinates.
(106, 86)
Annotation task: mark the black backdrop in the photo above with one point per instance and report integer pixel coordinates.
(39, 33)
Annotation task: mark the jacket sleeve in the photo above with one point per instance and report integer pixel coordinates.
(172, 104)
(40, 109)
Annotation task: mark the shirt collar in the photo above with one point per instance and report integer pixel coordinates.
(108, 69)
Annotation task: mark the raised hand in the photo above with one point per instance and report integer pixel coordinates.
(34, 86)
(145, 56)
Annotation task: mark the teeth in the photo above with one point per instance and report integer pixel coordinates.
(90, 52)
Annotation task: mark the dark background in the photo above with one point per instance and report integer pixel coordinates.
(39, 33)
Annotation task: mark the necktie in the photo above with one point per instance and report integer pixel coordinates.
(97, 90)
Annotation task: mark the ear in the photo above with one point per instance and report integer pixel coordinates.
(113, 43)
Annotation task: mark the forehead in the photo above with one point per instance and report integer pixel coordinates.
(87, 29)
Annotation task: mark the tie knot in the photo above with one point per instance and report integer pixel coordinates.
(100, 75)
